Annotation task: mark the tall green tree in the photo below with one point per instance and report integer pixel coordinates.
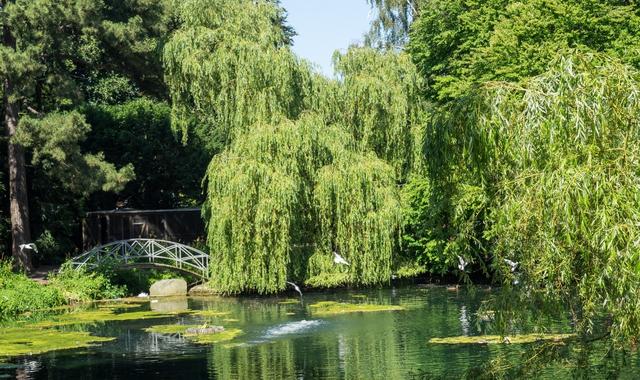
(457, 44)
(284, 197)
(558, 161)
(50, 58)
(311, 165)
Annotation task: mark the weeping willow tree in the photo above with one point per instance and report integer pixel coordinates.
(379, 101)
(283, 197)
(559, 160)
(311, 165)
(229, 66)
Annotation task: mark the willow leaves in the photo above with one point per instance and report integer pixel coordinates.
(311, 164)
(558, 159)
(283, 197)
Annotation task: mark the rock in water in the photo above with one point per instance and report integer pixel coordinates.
(201, 290)
(204, 330)
(165, 288)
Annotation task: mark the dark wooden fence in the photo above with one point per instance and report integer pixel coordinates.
(179, 225)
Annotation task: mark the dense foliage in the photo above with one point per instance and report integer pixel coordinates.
(229, 66)
(311, 165)
(138, 133)
(282, 198)
(560, 168)
(457, 44)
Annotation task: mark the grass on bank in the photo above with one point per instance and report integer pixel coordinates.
(21, 296)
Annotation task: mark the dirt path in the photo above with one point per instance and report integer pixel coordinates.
(41, 273)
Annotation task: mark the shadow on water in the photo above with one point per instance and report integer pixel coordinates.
(284, 339)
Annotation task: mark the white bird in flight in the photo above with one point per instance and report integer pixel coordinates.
(339, 259)
(462, 264)
(28, 246)
(296, 288)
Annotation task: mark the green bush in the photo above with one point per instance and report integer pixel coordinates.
(78, 285)
(19, 294)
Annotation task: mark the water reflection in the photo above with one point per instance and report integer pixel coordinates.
(287, 341)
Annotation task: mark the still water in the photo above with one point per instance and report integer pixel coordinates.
(287, 341)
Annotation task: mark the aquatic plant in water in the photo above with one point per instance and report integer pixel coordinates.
(496, 339)
(103, 315)
(333, 308)
(222, 336)
(19, 341)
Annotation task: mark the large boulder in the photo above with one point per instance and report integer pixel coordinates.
(166, 288)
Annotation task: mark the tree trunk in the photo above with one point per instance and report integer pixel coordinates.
(18, 200)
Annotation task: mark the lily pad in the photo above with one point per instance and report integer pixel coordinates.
(333, 308)
(496, 339)
(31, 341)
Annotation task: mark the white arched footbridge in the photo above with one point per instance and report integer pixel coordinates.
(147, 253)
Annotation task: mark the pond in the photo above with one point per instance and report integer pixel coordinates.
(273, 338)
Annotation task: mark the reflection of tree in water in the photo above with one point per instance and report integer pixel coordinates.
(591, 355)
(576, 360)
(364, 349)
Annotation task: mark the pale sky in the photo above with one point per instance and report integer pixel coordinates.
(324, 26)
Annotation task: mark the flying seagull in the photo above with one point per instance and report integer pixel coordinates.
(462, 264)
(512, 264)
(339, 259)
(296, 288)
(28, 246)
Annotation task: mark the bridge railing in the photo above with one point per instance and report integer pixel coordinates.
(152, 252)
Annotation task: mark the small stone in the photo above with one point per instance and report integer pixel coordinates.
(171, 287)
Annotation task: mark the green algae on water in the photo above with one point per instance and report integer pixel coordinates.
(209, 313)
(31, 341)
(103, 315)
(169, 329)
(333, 308)
(496, 339)
(289, 301)
(223, 336)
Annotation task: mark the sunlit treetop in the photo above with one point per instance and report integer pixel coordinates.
(229, 66)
